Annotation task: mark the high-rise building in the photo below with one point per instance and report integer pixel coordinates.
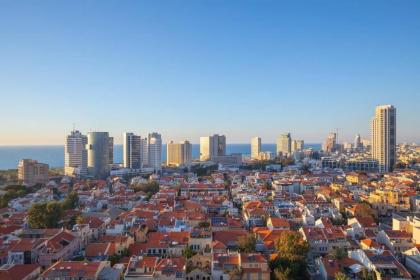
(284, 144)
(131, 151)
(32, 172)
(255, 147)
(211, 146)
(179, 153)
(330, 144)
(144, 152)
(358, 143)
(98, 148)
(75, 154)
(384, 138)
(154, 144)
(111, 150)
(297, 145)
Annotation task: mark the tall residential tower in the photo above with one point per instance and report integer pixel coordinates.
(384, 138)
(75, 155)
(132, 151)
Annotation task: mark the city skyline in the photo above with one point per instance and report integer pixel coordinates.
(277, 67)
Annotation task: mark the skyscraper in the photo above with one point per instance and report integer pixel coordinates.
(131, 150)
(255, 147)
(211, 146)
(75, 154)
(98, 148)
(384, 138)
(330, 144)
(179, 153)
(358, 142)
(144, 152)
(297, 145)
(154, 144)
(110, 150)
(284, 144)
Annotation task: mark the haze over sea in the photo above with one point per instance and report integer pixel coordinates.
(54, 155)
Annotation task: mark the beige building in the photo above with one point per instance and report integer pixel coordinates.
(178, 153)
(284, 144)
(255, 147)
(384, 138)
(211, 146)
(297, 145)
(32, 172)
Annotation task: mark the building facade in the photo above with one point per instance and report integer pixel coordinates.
(178, 153)
(32, 172)
(75, 155)
(255, 147)
(211, 146)
(132, 151)
(284, 144)
(384, 139)
(98, 148)
(154, 145)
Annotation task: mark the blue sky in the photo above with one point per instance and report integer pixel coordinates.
(191, 68)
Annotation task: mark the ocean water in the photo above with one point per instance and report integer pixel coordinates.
(54, 155)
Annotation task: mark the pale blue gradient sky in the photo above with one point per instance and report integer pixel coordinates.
(191, 68)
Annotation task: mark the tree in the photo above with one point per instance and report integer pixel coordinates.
(45, 215)
(338, 253)
(364, 211)
(341, 276)
(246, 243)
(71, 201)
(368, 275)
(291, 254)
(282, 274)
(188, 252)
(150, 188)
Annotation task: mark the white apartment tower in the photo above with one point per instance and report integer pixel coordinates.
(284, 144)
(211, 146)
(75, 154)
(255, 147)
(178, 153)
(132, 151)
(384, 138)
(154, 145)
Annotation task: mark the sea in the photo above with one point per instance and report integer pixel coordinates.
(54, 155)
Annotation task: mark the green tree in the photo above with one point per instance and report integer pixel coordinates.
(45, 215)
(149, 188)
(338, 253)
(291, 254)
(368, 275)
(188, 252)
(71, 201)
(246, 243)
(204, 224)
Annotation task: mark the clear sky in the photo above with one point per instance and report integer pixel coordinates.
(191, 68)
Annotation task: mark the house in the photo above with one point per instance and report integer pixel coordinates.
(24, 250)
(412, 259)
(62, 246)
(64, 270)
(227, 239)
(254, 266)
(328, 267)
(20, 272)
(397, 241)
(383, 263)
(170, 268)
(358, 226)
(140, 267)
(99, 251)
(278, 223)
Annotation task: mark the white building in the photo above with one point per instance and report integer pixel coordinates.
(284, 144)
(154, 144)
(75, 154)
